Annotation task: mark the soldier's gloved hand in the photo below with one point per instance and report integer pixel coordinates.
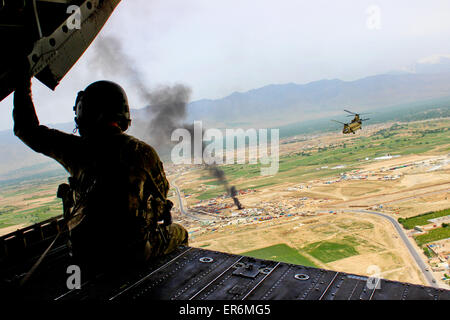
(23, 77)
(167, 216)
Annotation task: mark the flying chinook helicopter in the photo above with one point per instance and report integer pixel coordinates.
(354, 125)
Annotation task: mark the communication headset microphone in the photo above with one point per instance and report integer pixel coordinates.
(77, 108)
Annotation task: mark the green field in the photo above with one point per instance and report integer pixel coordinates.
(422, 219)
(433, 235)
(280, 252)
(327, 251)
(18, 194)
(29, 216)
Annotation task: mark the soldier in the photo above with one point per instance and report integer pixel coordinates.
(119, 190)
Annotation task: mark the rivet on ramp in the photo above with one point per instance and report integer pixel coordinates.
(301, 276)
(265, 270)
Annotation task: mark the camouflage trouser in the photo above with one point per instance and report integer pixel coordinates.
(166, 240)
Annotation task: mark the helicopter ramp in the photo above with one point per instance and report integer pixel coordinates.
(188, 274)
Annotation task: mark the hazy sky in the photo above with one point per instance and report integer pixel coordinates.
(217, 47)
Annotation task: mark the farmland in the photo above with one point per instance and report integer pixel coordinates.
(422, 219)
(280, 252)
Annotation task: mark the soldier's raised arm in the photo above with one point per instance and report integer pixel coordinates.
(53, 143)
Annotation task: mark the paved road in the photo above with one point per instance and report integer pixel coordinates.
(422, 266)
(181, 204)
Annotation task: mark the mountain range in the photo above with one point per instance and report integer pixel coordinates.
(283, 103)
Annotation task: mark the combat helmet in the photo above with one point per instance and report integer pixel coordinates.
(100, 103)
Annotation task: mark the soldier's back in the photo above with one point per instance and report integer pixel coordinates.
(114, 180)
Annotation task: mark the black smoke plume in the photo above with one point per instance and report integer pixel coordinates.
(220, 175)
(166, 105)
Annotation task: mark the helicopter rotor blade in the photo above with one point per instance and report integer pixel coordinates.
(355, 114)
(339, 122)
(365, 119)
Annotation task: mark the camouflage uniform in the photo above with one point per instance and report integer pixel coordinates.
(113, 176)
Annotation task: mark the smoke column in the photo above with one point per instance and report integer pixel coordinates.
(167, 105)
(220, 175)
